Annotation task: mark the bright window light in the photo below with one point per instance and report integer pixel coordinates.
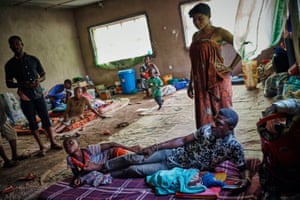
(122, 39)
(222, 15)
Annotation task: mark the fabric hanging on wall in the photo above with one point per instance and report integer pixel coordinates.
(295, 18)
(259, 25)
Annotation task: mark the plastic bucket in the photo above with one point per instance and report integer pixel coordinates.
(128, 82)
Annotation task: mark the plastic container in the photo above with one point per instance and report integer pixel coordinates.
(180, 84)
(173, 81)
(128, 82)
(250, 72)
(166, 78)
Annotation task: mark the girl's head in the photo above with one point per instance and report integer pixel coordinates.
(201, 15)
(71, 145)
(200, 8)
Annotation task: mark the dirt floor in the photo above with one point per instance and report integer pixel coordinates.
(146, 126)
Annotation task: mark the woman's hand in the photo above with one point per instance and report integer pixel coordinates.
(190, 92)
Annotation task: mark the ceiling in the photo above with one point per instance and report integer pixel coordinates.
(51, 3)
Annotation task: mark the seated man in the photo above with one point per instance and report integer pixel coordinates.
(204, 149)
(75, 109)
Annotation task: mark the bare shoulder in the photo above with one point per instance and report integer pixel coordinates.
(222, 35)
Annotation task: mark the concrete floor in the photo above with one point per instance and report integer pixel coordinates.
(146, 126)
(176, 118)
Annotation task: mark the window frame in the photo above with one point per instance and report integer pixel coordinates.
(122, 63)
(216, 20)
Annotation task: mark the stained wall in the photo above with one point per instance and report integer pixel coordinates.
(50, 35)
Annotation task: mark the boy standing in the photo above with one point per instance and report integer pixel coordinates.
(155, 84)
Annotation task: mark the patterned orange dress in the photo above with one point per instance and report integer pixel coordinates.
(212, 89)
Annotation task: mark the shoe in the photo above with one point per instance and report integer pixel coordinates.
(9, 164)
(159, 107)
(56, 147)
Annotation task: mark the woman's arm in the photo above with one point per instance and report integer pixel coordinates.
(190, 90)
(228, 37)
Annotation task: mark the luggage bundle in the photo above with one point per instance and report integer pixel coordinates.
(279, 131)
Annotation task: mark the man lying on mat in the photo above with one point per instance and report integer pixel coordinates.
(204, 149)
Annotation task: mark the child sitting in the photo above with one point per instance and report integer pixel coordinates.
(76, 106)
(85, 162)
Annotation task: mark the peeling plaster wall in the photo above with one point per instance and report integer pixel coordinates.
(50, 35)
(165, 28)
(60, 38)
(168, 42)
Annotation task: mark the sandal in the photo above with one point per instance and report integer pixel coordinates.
(122, 125)
(28, 177)
(8, 189)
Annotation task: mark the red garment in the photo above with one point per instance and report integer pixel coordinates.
(79, 164)
(212, 90)
(119, 152)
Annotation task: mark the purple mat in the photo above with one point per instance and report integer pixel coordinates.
(136, 189)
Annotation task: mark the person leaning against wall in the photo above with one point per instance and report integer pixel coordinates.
(210, 80)
(25, 72)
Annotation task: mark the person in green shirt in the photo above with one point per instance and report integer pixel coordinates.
(155, 83)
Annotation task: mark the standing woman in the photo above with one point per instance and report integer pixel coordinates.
(210, 79)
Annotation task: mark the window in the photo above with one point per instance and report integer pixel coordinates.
(121, 43)
(222, 14)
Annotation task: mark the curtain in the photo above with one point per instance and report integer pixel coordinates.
(259, 25)
(295, 18)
